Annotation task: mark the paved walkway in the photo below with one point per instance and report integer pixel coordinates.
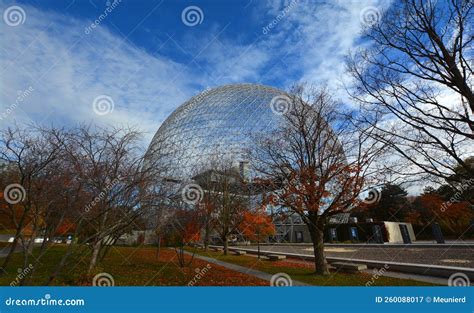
(242, 269)
(4, 251)
(423, 278)
(442, 255)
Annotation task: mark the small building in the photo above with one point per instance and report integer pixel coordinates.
(370, 232)
(290, 229)
(343, 228)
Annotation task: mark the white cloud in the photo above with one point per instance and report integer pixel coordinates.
(67, 69)
(313, 40)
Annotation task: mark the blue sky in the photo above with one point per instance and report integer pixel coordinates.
(148, 57)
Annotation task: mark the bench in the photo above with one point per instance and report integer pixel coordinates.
(275, 257)
(349, 267)
(239, 252)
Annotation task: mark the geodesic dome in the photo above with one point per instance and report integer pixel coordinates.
(220, 122)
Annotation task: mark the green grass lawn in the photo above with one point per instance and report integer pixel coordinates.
(304, 272)
(129, 266)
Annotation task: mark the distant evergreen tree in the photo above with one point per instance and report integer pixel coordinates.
(392, 206)
(461, 183)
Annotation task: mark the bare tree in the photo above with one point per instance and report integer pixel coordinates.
(110, 164)
(225, 198)
(315, 163)
(161, 214)
(85, 181)
(184, 230)
(60, 213)
(414, 82)
(206, 179)
(31, 157)
(52, 193)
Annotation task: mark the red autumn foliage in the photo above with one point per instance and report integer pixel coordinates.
(306, 191)
(185, 228)
(65, 228)
(257, 225)
(450, 215)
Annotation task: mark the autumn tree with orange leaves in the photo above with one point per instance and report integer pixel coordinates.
(184, 230)
(453, 217)
(257, 225)
(316, 163)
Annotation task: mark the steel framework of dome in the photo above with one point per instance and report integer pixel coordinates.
(220, 122)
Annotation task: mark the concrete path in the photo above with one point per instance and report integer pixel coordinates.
(4, 251)
(243, 270)
(399, 267)
(423, 278)
(441, 255)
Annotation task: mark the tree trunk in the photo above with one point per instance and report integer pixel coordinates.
(317, 236)
(107, 248)
(6, 261)
(42, 251)
(258, 248)
(19, 229)
(226, 245)
(180, 253)
(158, 246)
(30, 245)
(206, 240)
(95, 256)
(60, 266)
